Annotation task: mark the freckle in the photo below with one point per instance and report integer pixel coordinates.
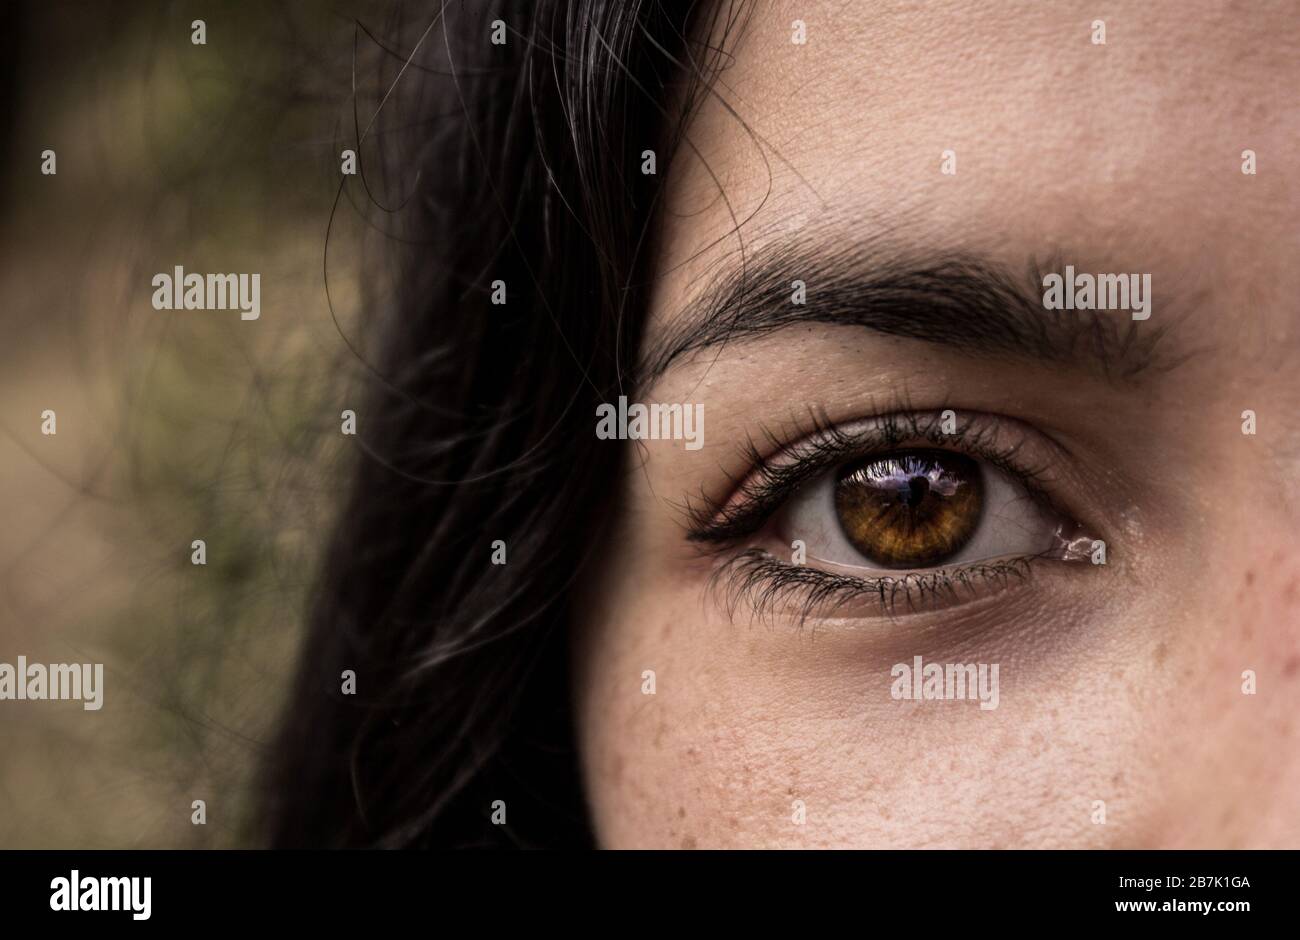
(1289, 593)
(1291, 666)
(1117, 780)
(659, 734)
(1250, 578)
(692, 753)
(681, 812)
(668, 629)
(1161, 652)
(689, 842)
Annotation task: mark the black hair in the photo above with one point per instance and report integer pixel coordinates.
(516, 162)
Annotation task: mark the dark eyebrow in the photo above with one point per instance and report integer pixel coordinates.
(961, 301)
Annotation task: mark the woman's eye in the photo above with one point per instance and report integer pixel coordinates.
(916, 509)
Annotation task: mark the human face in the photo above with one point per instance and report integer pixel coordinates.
(1150, 701)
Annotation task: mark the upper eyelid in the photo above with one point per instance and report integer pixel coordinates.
(772, 478)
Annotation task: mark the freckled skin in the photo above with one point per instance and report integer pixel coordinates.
(1122, 685)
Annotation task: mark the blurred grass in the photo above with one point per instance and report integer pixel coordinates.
(173, 426)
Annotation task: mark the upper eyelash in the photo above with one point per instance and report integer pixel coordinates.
(772, 481)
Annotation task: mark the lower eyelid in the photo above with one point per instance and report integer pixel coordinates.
(768, 587)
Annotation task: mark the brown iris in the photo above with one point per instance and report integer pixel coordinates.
(910, 509)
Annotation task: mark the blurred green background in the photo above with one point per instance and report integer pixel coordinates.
(172, 425)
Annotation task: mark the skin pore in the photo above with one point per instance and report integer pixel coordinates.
(1119, 683)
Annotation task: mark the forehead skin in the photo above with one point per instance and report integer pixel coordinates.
(1118, 157)
(1134, 145)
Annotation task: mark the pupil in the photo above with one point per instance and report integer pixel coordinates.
(917, 487)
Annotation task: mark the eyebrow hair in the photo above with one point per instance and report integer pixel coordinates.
(957, 300)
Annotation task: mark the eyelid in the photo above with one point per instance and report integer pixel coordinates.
(1037, 461)
(756, 497)
(769, 587)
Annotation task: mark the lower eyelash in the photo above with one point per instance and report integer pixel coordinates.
(757, 579)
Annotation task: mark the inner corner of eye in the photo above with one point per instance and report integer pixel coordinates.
(917, 508)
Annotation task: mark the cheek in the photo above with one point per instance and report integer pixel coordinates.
(663, 730)
(699, 732)
(728, 741)
(1270, 609)
(764, 736)
(1225, 737)
(1260, 713)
